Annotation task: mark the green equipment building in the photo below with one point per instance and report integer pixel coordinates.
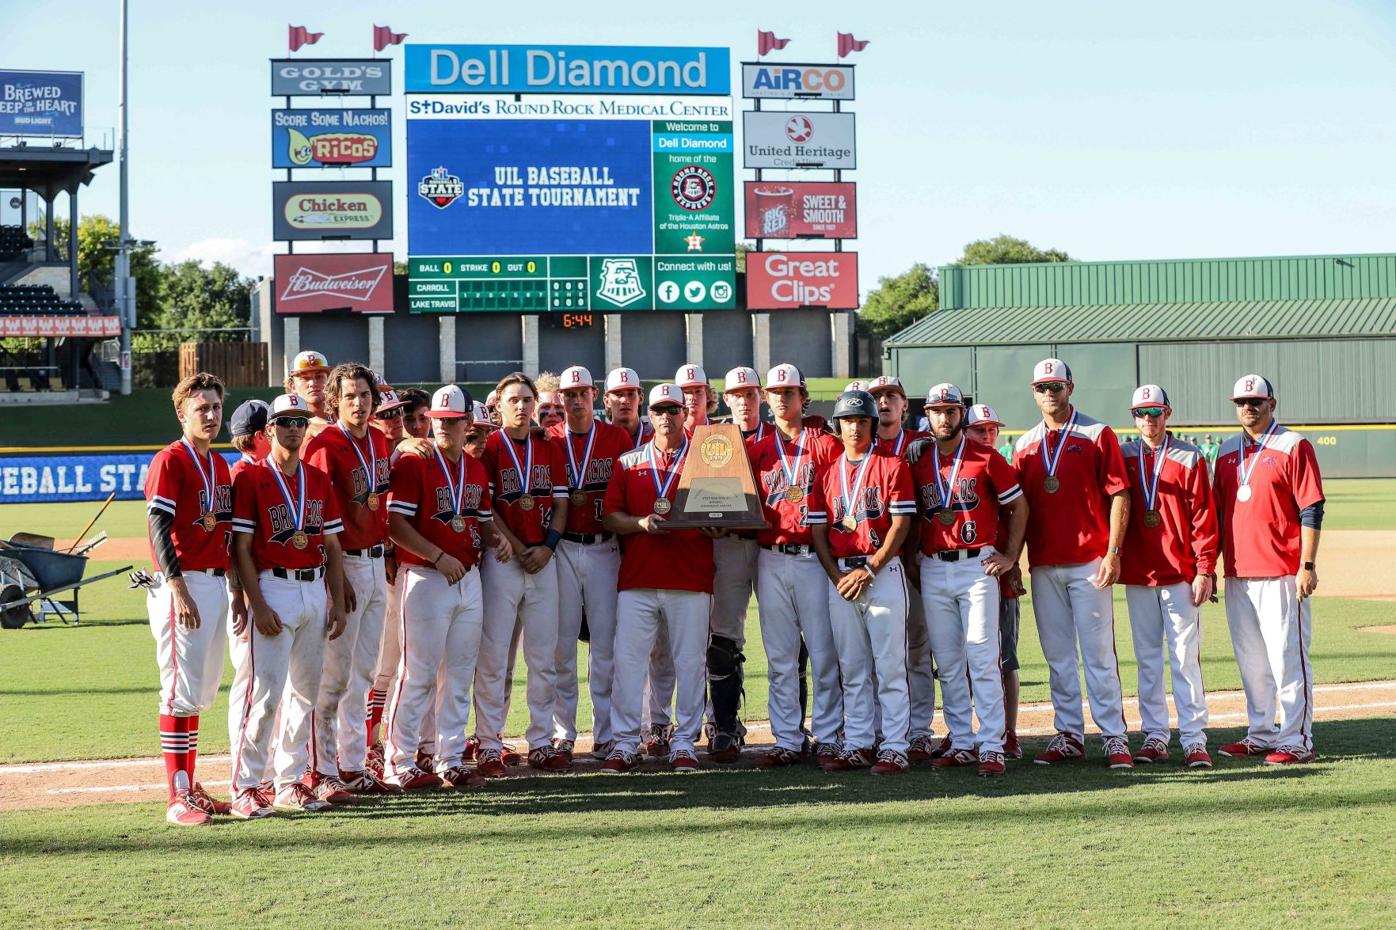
(1321, 328)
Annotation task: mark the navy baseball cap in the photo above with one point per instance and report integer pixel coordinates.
(249, 418)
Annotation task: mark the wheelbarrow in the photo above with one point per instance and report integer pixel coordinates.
(31, 577)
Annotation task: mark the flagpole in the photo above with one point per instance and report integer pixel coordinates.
(125, 291)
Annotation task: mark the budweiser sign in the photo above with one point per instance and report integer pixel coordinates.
(312, 283)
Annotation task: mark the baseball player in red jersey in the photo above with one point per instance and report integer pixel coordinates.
(741, 392)
(247, 430)
(622, 400)
(441, 517)
(550, 410)
(982, 425)
(892, 438)
(355, 459)
(665, 582)
(588, 562)
(309, 379)
(791, 593)
(960, 487)
(1168, 570)
(528, 486)
(285, 524)
(1072, 472)
(1270, 505)
(861, 508)
(189, 510)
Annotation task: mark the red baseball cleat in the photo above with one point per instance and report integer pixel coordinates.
(207, 802)
(1196, 757)
(657, 742)
(776, 758)
(329, 788)
(491, 765)
(955, 758)
(1117, 753)
(366, 782)
(415, 779)
(565, 747)
(548, 759)
(251, 804)
(1064, 747)
(890, 762)
(183, 812)
(1290, 755)
(1153, 750)
(921, 749)
(991, 764)
(297, 797)
(619, 762)
(1246, 747)
(829, 758)
(853, 759)
(683, 761)
(1011, 748)
(461, 777)
(472, 749)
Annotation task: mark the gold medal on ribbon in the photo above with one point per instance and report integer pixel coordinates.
(794, 494)
(579, 498)
(946, 516)
(458, 524)
(1050, 484)
(210, 522)
(373, 502)
(526, 502)
(1152, 518)
(299, 539)
(662, 506)
(849, 523)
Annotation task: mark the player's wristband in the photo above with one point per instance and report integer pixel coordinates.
(1308, 566)
(551, 539)
(438, 557)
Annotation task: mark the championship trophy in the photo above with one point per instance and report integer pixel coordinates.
(716, 488)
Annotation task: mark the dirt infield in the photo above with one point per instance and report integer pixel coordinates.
(64, 784)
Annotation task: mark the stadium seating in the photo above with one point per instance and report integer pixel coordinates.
(13, 242)
(35, 300)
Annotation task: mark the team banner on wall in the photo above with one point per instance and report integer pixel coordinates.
(53, 478)
(807, 139)
(788, 280)
(567, 69)
(315, 138)
(362, 282)
(300, 77)
(801, 210)
(59, 326)
(40, 103)
(332, 210)
(793, 81)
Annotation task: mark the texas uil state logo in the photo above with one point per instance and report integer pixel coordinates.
(693, 188)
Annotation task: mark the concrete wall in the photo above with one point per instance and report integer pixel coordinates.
(412, 348)
(488, 346)
(726, 342)
(653, 344)
(561, 348)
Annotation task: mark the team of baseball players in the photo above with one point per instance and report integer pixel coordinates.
(376, 559)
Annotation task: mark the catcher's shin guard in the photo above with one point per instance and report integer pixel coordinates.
(725, 682)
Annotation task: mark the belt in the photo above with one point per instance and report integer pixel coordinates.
(302, 574)
(854, 561)
(372, 552)
(587, 539)
(955, 555)
(789, 548)
(212, 572)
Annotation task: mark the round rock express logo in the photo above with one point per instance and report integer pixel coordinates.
(693, 188)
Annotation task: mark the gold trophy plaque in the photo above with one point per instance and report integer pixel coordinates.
(717, 488)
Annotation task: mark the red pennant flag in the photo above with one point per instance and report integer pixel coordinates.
(299, 36)
(383, 36)
(767, 41)
(849, 44)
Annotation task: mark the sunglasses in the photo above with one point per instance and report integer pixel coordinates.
(1148, 411)
(389, 415)
(667, 411)
(292, 422)
(1249, 401)
(1049, 387)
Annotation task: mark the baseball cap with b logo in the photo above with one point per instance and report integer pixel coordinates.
(1149, 395)
(982, 415)
(451, 403)
(622, 378)
(309, 362)
(945, 394)
(784, 375)
(853, 386)
(388, 399)
(574, 377)
(665, 394)
(1252, 386)
(288, 405)
(741, 378)
(1051, 369)
(690, 376)
(884, 383)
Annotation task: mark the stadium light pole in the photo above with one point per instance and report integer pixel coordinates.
(125, 292)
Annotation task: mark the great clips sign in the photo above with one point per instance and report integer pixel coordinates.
(312, 283)
(789, 280)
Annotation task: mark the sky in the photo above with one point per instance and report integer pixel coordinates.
(1109, 130)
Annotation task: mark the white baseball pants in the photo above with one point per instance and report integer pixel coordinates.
(390, 657)
(640, 614)
(1069, 609)
(341, 710)
(660, 683)
(191, 661)
(1271, 630)
(586, 583)
(280, 675)
(791, 593)
(1166, 615)
(920, 669)
(962, 615)
(870, 636)
(440, 631)
(512, 595)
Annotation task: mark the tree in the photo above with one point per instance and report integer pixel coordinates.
(742, 249)
(193, 297)
(1006, 250)
(97, 238)
(899, 301)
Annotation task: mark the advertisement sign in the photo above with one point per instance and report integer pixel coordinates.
(795, 81)
(40, 103)
(36, 479)
(801, 209)
(569, 69)
(798, 140)
(76, 326)
(292, 77)
(788, 280)
(311, 283)
(571, 284)
(358, 138)
(332, 210)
